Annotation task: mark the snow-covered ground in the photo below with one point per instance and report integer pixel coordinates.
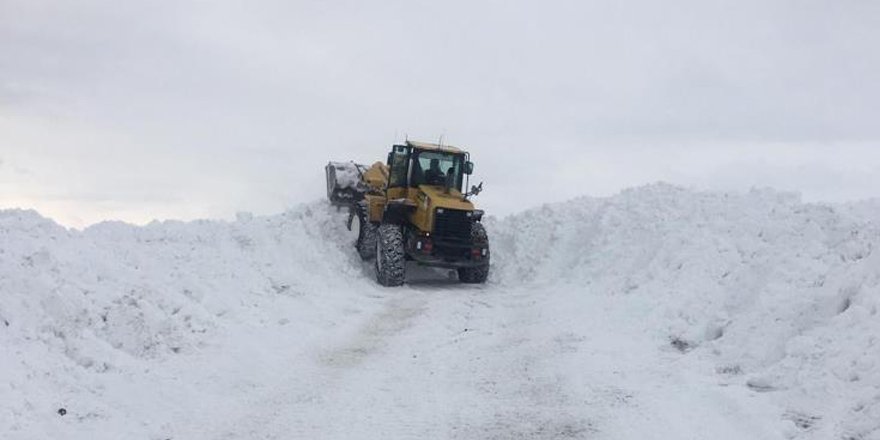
(659, 313)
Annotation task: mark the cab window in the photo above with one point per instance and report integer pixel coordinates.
(433, 167)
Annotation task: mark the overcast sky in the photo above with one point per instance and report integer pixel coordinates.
(181, 109)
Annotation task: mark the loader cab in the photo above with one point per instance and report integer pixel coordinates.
(417, 164)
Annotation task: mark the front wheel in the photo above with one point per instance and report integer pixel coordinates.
(390, 257)
(478, 274)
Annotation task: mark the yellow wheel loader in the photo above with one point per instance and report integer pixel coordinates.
(413, 208)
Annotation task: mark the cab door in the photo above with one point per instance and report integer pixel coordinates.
(398, 171)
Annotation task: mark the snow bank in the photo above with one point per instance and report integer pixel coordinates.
(79, 306)
(780, 296)
(767, 293)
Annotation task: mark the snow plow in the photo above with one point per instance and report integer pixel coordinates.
(413, 208)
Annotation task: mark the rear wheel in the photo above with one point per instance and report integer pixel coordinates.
(390, 257)
(367, 234)
(478, 274)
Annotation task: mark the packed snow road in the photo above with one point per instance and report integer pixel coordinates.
(658, 313)
(439, 360)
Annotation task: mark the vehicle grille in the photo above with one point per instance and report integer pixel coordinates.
(453, 225)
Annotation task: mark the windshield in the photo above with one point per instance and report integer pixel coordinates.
(433, 168)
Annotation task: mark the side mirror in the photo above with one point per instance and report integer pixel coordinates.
(389, 158)
(469, 168)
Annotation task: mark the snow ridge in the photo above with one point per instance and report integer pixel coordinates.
(76, 305)
(780, 296)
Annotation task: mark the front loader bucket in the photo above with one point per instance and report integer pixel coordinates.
(345, 184)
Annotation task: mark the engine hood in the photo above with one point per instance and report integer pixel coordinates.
(436, 197)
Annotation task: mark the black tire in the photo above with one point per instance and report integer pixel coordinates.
(390, 257)
(367, 234)
(478, 274)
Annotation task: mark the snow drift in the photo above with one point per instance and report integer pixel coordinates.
(77, 307)
(761, 290)
(781, 296)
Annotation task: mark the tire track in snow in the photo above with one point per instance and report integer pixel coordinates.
(397, 315)
(295, 407)
(513, 378)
